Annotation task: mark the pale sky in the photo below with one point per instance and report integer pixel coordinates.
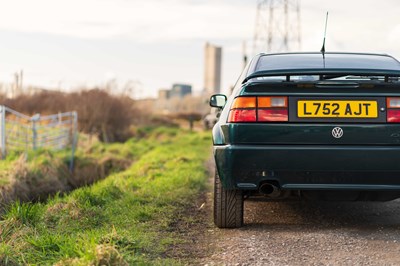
(70, 43)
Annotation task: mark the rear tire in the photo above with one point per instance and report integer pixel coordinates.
(228, 206)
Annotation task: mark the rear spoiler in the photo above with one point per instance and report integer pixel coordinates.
(324, 73)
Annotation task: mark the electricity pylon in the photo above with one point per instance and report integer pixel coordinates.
(278, 27)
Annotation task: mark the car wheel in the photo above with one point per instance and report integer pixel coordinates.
(228, 206)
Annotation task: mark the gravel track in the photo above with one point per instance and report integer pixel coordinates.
(307, 233)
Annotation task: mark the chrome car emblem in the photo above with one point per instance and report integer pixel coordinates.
(337, 132)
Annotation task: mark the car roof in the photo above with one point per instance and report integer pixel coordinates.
(329, 60)
(317, 63)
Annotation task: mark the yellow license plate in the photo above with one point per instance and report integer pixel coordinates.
(337, 108)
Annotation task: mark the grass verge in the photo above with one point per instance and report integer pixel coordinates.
(125, 219)
(40, 173)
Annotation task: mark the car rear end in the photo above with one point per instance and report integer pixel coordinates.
(302, 134)
(323, 133)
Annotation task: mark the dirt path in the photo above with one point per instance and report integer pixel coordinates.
(303, 233)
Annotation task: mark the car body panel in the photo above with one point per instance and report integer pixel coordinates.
(312, 134)
(349, 166)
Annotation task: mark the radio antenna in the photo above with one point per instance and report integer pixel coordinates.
(323, 44)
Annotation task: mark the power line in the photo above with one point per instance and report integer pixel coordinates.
(277, 27)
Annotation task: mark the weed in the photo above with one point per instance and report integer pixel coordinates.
(108, 255)
(47, 246)
(25, 213)
(7, 257)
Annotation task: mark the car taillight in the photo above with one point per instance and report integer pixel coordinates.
(393, 110)
(272, 115)
(242, 115)
(244, 102)
(259, 109)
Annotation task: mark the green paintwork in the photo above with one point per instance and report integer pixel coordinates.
(303, 154)
(253, 164)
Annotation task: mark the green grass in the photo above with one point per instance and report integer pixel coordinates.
(37, 174)
(125, 219)
(23, 213)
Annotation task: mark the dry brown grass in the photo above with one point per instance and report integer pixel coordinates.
(27, 183)
(108, 255)
(100, 113)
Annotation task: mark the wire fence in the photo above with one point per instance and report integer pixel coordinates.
(21, 132)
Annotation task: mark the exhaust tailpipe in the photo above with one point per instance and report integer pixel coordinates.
(270, 190)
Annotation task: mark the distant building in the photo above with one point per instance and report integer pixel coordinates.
(180, 90)
(177, 91)
(163, 94)
(176, 100)
(212, 69)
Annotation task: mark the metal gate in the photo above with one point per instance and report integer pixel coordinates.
(20, 132)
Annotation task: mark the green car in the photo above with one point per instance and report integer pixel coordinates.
(318, 126)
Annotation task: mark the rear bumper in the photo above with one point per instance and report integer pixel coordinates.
(309, 166)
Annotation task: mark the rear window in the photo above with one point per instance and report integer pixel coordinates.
(310, 61)
(337, 78)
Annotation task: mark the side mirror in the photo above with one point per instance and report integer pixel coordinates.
(218, 100)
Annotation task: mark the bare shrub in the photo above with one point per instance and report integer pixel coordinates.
(44, 102)
(107, 116)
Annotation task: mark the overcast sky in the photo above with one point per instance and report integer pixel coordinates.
(71, 43)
